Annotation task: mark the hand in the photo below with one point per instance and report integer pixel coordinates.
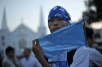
(36, 48)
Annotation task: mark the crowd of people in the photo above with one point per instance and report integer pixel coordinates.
(84, 56)
(26, 61)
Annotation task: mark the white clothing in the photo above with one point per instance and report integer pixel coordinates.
(80, 59)
(30, 62)
(8, 62)
(95, 58)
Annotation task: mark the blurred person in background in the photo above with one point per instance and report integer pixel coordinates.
(1, 58)
(98, 48)
(95, 56)
(28, 60)
(10, 59)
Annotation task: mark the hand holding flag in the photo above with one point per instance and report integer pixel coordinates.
(63, 40)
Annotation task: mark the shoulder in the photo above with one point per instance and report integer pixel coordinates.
(33, 58)
(81, 54)
(82, 49)
(93, 51)
(5, 60)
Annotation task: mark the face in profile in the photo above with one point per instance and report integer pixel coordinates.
(90, 41)
(11, 54)
(56, 23)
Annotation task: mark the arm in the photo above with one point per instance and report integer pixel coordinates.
(81, 57)
(36, 62)
(39, 53)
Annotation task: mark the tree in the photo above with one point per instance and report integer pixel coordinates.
(94, 11)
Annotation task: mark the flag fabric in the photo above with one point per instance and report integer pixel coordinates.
(63, 40)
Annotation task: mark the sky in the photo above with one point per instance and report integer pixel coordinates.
(28, 11)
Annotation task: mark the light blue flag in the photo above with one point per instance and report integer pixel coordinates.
(63, 40)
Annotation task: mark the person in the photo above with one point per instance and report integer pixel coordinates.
(29, 61)
(1, 58)
(95, 56)
(59, 18)
(10, 59)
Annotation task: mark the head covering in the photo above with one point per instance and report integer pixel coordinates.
(59, 11)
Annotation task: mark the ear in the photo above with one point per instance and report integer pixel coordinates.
(88, 39)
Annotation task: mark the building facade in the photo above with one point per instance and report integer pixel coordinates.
(21, 37)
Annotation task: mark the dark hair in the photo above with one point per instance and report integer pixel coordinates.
(9, 49)
(89, 32)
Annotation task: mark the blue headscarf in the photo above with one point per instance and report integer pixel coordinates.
(59, 11)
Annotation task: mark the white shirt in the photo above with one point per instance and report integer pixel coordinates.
(30, 62)
(80, 59)
(95, 58)
(7, 62)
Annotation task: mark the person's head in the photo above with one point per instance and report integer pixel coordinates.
(58, 17)
(26, 52)
(10, 52)
(89, 36)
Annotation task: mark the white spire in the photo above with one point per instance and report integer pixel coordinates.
(4, 23)
(41, 17)
(42, 28)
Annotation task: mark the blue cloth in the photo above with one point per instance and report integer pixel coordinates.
(63, 40)
(59, 64)
(59, 11)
